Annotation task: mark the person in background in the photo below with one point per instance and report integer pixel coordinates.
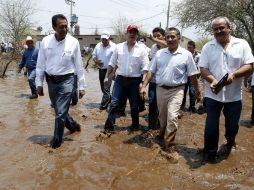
(101, 56)
(29, 60)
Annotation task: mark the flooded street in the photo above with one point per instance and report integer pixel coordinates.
(121, 162)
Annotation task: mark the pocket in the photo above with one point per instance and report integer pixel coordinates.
(66, 57)
(179, 71)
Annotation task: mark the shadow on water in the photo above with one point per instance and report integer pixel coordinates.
(22, 95)
(246, 123)
(92, 105)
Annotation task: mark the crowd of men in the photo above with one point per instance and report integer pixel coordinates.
(169, 70)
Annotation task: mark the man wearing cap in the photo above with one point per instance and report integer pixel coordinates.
(131, 59)
(58, 59)
(29, 60)
(171, 66)
(101, 56)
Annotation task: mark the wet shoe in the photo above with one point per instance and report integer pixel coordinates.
(33, 96)
(56, 144)
(74, 103)
(209, 158)
(108, 127)
(170, 154)
(78, 127)
(132, 128)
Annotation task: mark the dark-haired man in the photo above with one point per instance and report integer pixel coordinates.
(130, 58)
(189, 86)
(58, 59)
(172, 66)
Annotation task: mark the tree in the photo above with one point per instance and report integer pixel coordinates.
(200, 13)
(15, 24)
(119, 27)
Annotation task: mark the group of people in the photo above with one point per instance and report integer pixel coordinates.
(167, 68)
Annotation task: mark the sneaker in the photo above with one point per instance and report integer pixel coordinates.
(33, 96)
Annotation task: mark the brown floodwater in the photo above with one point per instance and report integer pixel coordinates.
(122, 162)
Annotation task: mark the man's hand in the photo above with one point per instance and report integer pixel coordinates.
(213, 85)
(81, 93)
(40, 91)
(142, 92)
(198, 96)
(105, 81)
(230, 79)
(98, 62)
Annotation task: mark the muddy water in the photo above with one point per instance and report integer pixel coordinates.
(120, 162)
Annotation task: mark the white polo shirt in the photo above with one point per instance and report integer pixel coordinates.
(219, 62)
(129, 63)
(59, 58)
(173, 69)
(103, 53)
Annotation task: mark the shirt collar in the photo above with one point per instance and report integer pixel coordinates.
(179, 50)
(232, 41)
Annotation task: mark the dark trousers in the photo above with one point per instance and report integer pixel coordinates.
(192, 93)
(104, 89)
(153, 109)
(31, 80)
(124, 87)
(252, 110)
(75, 95)
(232, 112)
(60, 94)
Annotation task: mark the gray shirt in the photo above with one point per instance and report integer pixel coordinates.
(173, 69)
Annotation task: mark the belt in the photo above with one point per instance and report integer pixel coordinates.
(57, 77)
(171, 87)
(128, 78)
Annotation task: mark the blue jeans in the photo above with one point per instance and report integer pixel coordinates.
(105, 89)
(60, 94)
(122, 87)
(192, 93)
(232, 113)
(31, 80)
(153, 109)
(75, 95)
(252, 110)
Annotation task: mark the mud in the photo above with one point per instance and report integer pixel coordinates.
(120, 161)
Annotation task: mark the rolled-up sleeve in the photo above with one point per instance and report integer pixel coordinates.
(113, 59)
(79, 67)
(203, 60)
(41, 66)
(145, 60)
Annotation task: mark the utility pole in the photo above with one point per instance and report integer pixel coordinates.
(168, 13)
(71, 3)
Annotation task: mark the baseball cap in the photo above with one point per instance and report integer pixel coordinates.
(105, 34)
(130, 27)
(29, 38)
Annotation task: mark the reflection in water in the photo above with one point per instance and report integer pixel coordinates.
(89, 161)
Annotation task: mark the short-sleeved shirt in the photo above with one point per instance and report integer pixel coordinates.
(154, 49)
(104, 53)
(129, 63)
(173, 69)
(220, 61)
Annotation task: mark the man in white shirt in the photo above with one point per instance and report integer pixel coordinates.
(223, 55)
(101, 56)
(171, 66)
(131, 59)
(59, 57)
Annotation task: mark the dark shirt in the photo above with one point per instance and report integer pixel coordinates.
(29, 58)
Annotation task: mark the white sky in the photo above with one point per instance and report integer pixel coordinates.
(102, 13)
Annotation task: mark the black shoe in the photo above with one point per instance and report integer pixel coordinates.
(132, 128)
(192, 109)
(78, 127)
(33, 96)
(56, 144)
(108, 126)
(209, 158)
(74, 103)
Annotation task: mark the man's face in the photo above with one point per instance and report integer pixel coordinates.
(30, 44)
(221, 30)
(105, 42)
(172, 39)
(61, 28)
(158, 36)
(132, 35)
(191, 48)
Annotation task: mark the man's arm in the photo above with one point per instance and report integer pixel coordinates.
(109, 71)
(244, 70)
(161, 43)
(195, 83)
(148, 78)
(22, 63)
(208, 76)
